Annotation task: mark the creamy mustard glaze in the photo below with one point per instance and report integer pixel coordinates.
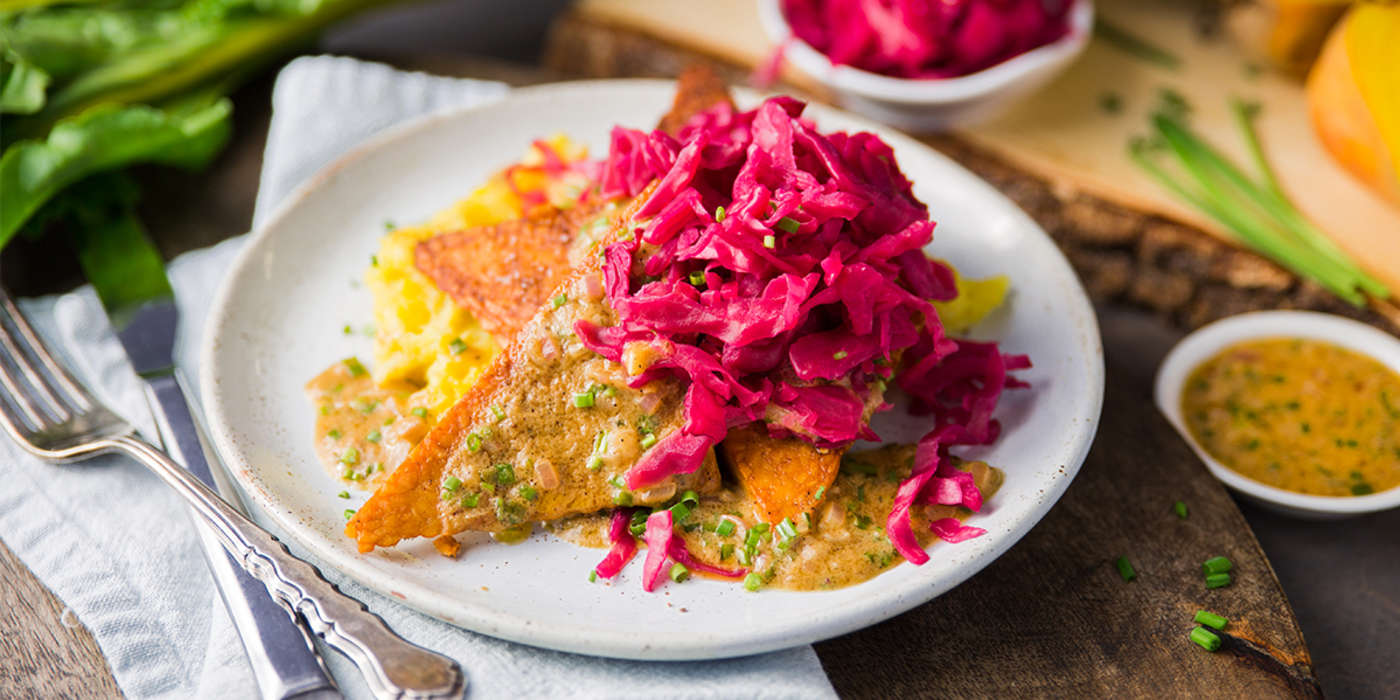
(1301, 415)
(841, 543)
(363, 430)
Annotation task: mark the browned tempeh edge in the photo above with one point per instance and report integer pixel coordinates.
(1178, 272)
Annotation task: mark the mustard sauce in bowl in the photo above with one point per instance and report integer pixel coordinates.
(1299, 414)
(1296, 411)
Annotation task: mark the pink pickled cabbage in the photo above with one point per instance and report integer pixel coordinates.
(658, 538)
(926, 38)
(953, 530)
(779, 273)
(624, 545)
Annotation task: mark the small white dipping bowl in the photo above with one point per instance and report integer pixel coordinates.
(934, 104)
(1207, 342)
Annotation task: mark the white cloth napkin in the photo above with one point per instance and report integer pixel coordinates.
(117, 548)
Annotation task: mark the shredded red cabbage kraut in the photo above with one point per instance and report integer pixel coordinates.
(926, 38)
(779, 273)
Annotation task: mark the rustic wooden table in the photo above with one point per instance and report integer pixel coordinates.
(1049, 619)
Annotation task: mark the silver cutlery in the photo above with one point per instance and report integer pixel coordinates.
(53, 417)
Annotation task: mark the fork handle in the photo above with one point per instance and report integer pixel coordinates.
(393, 668)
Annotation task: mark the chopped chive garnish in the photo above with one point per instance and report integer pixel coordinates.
(452, 483)
(348, 330)
(697, 278)
(457, 346)
(420, 412)
(1211, 619)
(349, 513)
(473, 442)
(786, 530)
(648, 440)
(1180, 509)
(593, 577)
(334, 434)
(860, 493)
(471, 500)
(529, 492)
(498, 413)
(1217, 580)
(753, 582)
(1216, 565)
(725, 528)
(638, 525)
(746, 556)
(368, 407)
(1134, 46)
(374, 260)
(788, 224)
(840, 355)
(719, 214)
(623, 499)
(343, 494)
(389, 225)
(751, 539)
(377, 466)
(726, 551)
(505, 474)
(610, 392)
(617, 483)
(690, 498)
(350, 456)
(760, 528)
(325, 410)
(595, 463)
(679, 573)
(374, 436)
(770, 242)
(559, 301)
(679, 512)
(821, 491)
(356, 369)
(584, 400)
(1206, 638)
(1125, 569)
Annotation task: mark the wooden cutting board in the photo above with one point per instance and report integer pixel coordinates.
(1061, 133)
(1053, 618)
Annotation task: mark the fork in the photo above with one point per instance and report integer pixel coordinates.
(52, 416)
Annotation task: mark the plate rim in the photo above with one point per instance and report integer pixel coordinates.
(589, 640)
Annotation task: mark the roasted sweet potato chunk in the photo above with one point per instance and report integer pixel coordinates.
(783, 476)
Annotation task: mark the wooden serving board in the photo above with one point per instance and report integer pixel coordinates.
(1053, 618)
(1061, 133)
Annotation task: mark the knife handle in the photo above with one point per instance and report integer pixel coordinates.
(285, 663)
(393, 668)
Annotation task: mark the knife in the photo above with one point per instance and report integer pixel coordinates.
(129, 277)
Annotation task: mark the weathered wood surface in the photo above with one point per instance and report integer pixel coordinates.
(1179, 272)
(1053, 618)
(40, 655)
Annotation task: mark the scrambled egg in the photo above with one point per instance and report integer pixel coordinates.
(422, 337)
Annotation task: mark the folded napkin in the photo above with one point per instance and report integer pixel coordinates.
(117, 547)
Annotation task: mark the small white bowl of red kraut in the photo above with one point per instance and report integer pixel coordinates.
(927, 65)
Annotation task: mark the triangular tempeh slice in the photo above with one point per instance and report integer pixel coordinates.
(521, 445)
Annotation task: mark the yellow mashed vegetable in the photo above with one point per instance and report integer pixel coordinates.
(422, 337)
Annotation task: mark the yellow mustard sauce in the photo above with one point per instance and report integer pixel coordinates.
(1300, 415)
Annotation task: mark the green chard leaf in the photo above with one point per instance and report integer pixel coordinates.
(102, 138)
(22, 85)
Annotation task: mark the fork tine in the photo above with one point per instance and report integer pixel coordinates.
(70, 392)
(19, 392)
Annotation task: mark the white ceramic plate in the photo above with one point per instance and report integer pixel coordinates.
(278, 322)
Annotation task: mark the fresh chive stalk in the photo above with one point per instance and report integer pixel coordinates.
(1257, 211)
